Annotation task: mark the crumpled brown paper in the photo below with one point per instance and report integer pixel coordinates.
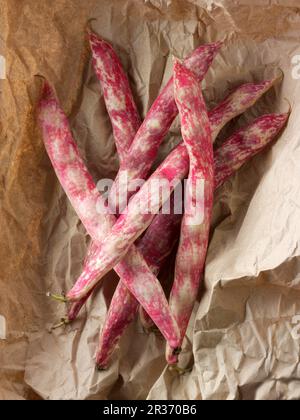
(242, 336)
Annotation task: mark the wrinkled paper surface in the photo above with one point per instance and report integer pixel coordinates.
(243, 336)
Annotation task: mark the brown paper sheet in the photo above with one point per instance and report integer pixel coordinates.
(241, 336)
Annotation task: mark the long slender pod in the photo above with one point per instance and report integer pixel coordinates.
(195, 227)
(117, 94)
(132, 223)
(124, 306)
(228, 158)
(121, 108)
(253, 138)
(115, 86)
(156, 125)
(85, 198)
(145, 145)
(234, 104)
(237, 102)
(141, 209)
(166, 228)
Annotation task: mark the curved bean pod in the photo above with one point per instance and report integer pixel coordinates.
(156, 125)
(116, 246)
(228, 158)
(82, 192)
(195, 227)
(105, 63)
(118, 97)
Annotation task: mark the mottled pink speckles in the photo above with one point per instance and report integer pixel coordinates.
(191, 254)
(117, 94)
(156, 125)
(228, 109)
(228, 158)
(137, 153)
(130, 225)
(236, 103)
(84, 196)
(247, 141)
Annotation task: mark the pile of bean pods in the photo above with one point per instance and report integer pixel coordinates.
(136, 238)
